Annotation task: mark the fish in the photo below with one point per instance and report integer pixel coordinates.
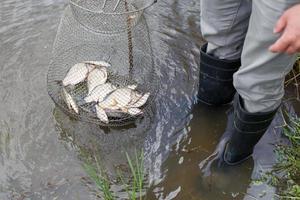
(97, 76)
(141, 101)
(125, 100)
(76, 74)
(109, 103)
(70, 101)
(101, 114)
(135, 96)
(122, 96)
(112, 100)
(79, 72)
(99, 93)
(118, 99)
(134, 111)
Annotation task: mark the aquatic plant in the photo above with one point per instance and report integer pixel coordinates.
(285, 175)
(293, 78)
(134, 188)
(100, 178)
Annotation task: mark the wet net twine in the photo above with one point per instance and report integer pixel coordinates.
(93, 85)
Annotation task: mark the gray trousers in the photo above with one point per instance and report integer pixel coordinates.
(244, 28)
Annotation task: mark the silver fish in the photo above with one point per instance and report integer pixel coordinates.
(135, 96)
(140, 102)
(96, 77)
(90, 67)
(76, 74)
(69, 101)
(99, 93)
(134, 111)
(122, 96)
(109, 103)
(124, 99)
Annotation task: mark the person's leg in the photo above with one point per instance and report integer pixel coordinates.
(260, 80)
(224, 25)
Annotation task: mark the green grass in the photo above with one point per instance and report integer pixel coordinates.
(293, 78)
(134, 186)
(135, 191)
(285, 175)
(100, 178)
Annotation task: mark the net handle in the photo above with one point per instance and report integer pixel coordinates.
(112, 13)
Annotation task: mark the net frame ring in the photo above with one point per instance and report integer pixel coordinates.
(108, 19)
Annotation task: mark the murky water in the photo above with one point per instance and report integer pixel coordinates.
(40, 146)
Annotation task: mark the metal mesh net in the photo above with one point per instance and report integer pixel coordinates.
(110, 80)
(108, 16)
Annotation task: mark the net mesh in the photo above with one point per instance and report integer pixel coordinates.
(108, 16)
(110, 80)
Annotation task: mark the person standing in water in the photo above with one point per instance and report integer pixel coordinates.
(251, 46)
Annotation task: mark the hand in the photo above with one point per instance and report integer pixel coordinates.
(289, 25)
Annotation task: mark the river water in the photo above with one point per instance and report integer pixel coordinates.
(40, 146)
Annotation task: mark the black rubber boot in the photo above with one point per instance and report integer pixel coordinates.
(216, 81)
(245, 131)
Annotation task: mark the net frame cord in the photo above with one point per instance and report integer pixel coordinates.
(130, 45)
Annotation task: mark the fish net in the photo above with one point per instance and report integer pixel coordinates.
(109, 16)
(102, 69)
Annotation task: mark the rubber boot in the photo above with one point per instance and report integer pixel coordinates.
(216, 79)
(245, 131)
